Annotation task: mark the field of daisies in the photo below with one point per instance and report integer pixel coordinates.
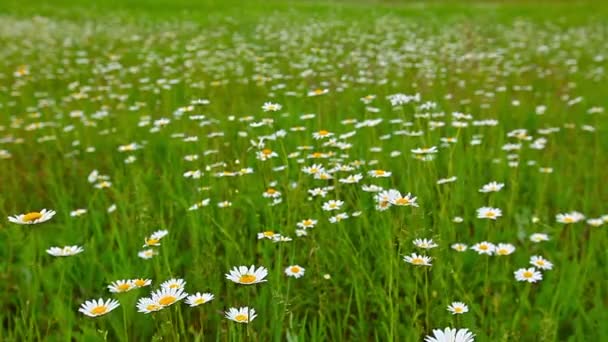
(315, 171)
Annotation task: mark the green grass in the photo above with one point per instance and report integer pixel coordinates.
(473, 58)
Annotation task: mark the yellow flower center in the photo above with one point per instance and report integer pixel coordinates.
(483, 247)
(152, 242)
(139, 282)
(174, 286)
(379, 172)
(417, 261)
(540, 262)
(323, 132)
(490, 214)
(167, 300)
(458, 309)
(99, 310)
(307, 223)
(266, 151)
(123, 287)
(247, 279)
(271, 191)
(527, 274)
(318, 91)
(567, 219)
(402, 201)
(31, 216)
(324, 176)
(152, 307)
(241, 318)
(268, 233)
(199, 301)
(295, 269)
(503, 252)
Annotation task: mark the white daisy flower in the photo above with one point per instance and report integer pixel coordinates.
(65, 251)
(247, 276)
(94, 308)
(32, 217)
(198, 299)
(241, 315)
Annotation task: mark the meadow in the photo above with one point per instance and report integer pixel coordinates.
(303, 171)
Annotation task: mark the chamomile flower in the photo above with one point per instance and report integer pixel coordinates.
(147, 305)
(379, 173)
(530, 275)
(247, 276)
(99, 307)
(540, 262)
(418, 260)
(295, 271)
(168, 296)
(395, 198)
(64, 251)
(492, 187)
(173, 283)
(459, 247)
(241, 315)
(307, 224)
(338, 218)
(33, 217)
(450, 335)
(78, 212)
(322, 134)
(147, 254)
(271, 107)
(504, 249)
(424, 243)
(484, 248)
(154, 239)
(458, 308)
(268, 234)
(199, 298)
(119, 286)
(571, 217)
(539, 237)
(140, 282)
(332, 205)
(489, 213)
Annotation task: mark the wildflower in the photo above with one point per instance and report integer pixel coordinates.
(243, 275)
(595, 222)
(139, 282)
(504, 249)
(78, 212)
(241, 315)
(538, 237)
(419, 260)
(457, 219)
(339, 217)
(94, 308)
(154, 239)
(147, 305)
(271, 193)
(541, 262)
(147, 254)
(121, 286)
(530, 275)
(379, 173)
(306, 224)
(173, 283)
(168, 296)
(268, 234)
(295, 271)
(198, 299)
(571, 217)
(450, 335)
(492, 187)
(322, 134)
(64, 251)
(332, 205)
(459, 247)
(32, 217)
(351, 179)
(424, 243)
(458, 308)
(484, 248)
(395, 198)
(271, 107)
(425, 150)
(489, 213)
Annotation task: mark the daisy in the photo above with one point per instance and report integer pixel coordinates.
(241, 315)
(168, 296)
(450, 335)
(121, 286)
(339, 217)
(538, 237)
(147, 305)
(33, 217)
(457, 219)
(173, 283)
(419, 260)
(314, 169)
(64, 251)
(322, 134)
(424, 243)
(425, 150)
(492, 187)
(458, 308)
(147, 254)
(78, 212)
(295, 271)
(459, 247)
(504, 249)
(271, 107)
(489, 213)
(371, 188)
(140, 282)
(198, 299)
(595, 222)
(530, 275)
(541, 262)
(379, 173)
(154, 239)
(397, 199)
(247, 276)
(268, 234)
(484, 248)
(332, 205)
(271, 193)
(307, 224)
(571, 217)
(351, 179)
(94, 308)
